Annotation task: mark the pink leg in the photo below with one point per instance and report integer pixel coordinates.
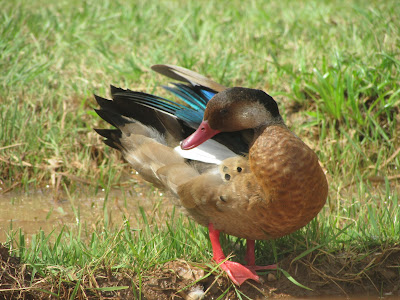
(251, 259)
(236, 272)
(250, 253)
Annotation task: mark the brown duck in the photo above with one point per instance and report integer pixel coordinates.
(226, 155)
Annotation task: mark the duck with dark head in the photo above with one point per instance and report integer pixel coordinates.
(226, 155)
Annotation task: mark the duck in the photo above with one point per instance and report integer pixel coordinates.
(224, 154)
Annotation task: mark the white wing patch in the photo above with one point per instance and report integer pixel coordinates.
(209, 152)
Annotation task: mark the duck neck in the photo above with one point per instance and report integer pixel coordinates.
(259, 130)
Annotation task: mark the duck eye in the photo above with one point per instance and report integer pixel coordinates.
(223, 111)
(239, 169)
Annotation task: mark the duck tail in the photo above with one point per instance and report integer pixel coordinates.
(145, 136)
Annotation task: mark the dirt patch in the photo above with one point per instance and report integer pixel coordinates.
(14, 277)
(374, 275)
(341, 275)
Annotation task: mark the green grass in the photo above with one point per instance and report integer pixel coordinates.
(333, 67)
(139, 249)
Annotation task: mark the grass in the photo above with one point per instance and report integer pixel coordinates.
(333, 66)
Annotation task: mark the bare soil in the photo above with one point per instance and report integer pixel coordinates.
(340, 275)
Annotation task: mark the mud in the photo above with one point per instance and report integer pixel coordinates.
(43, 210)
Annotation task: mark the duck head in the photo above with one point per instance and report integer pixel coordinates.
(235, 109)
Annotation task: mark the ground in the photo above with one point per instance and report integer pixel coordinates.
(342, 276)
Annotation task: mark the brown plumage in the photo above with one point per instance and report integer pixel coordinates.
(272, 190)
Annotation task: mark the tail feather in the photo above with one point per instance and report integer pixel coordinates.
(195, 99)
(145, 137)
(129, 107)
(112, 136)
(107, 105)
(120, 96)
(185, 75)
(114, 119)
(143, 114)
(128, 99)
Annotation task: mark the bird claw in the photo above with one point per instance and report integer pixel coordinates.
(238, 273)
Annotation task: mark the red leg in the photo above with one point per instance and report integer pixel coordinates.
(251, 259)
(236, 272)
(250, 255)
